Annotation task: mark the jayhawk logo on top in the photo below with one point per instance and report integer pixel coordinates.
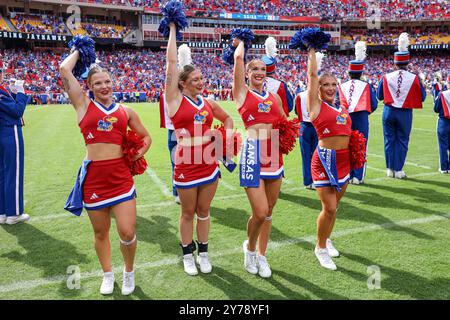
(106, 124)
(265, 106)
(200, 117)
(342, 119)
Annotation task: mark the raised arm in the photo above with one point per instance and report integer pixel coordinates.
(71, 85)
(172, 92)
(134, 122)
(313, 86)
(239, 87)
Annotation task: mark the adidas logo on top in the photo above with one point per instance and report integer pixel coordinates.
(181, 176)
(90, 136)
(322, 175)
(94, 196)
(250, 118)
(326, 131)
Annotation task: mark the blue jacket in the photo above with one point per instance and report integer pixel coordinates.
(12, 108)
(438, 108)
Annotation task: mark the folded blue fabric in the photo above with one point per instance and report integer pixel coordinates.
(328, 159)
(74, 203)
(250, 166)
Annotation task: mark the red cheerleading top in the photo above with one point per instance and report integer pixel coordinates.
(193, 118)
(259, 108)
(104, 125)
(332, 122)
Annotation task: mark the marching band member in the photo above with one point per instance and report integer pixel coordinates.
(12, 107)
(273, 84)
(442, 106)
(166, 123)
(359, 98)
(401, 91)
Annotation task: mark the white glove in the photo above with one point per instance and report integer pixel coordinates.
(17, 87)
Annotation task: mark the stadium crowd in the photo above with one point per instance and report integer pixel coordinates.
(327, 9)
(143, 71)
(51, 24)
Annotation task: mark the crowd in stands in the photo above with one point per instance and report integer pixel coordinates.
(143, 71)
(375, 37)
(39, 24)
(50, 24)
(327, 9)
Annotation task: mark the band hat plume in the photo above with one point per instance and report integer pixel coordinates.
(357, 66)
(271, 52)
(184, 56)
(402, 56)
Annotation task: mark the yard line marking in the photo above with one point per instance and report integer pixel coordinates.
(164, 189)
(30, 284)
(426, 130)
(376, 169)
(407, 162)
(234, 196)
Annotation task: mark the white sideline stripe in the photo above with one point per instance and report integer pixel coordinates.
(158, 182)
(426, 130)
(376, 169)
(66, 215)
(30, 284)
(226, 185)
(407, 162)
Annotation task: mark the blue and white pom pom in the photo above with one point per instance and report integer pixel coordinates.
(174, 12)
(86, 48)
(245, 35)
(310, 38)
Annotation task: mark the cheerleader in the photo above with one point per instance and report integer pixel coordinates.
(106, 181)
(261, 161)
(196, 169)
(332, 159)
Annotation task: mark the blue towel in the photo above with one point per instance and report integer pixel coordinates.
(74, 203)
(328, 159)
(250, 166)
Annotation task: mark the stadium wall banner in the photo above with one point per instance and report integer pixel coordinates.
(430, 47)
(243, 16)
(32, 36)
(52, 37)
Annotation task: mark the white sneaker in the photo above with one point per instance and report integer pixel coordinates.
(17, 219)
(189, 264)
(390, 173)
(177, 200)
(264, 267)
(331, 249)
(250, 262)
(107, 283)
(2, 218)
(203, 261)
(324, 258)
(128, 283)
(356, 181)
(400, 175)
(441, 171)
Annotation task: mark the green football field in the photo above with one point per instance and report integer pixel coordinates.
(398, 229)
